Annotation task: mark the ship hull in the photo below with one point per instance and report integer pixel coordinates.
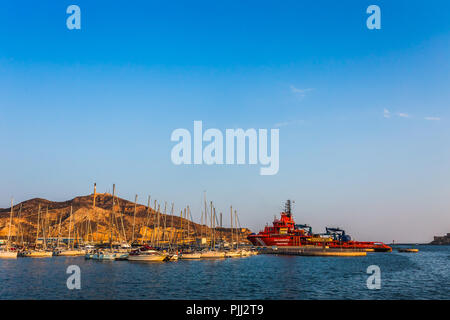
(262, 240)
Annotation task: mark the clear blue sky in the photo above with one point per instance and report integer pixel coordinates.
(363, 114)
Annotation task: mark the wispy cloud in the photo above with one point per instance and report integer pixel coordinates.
(287, 123)
(301, 92)
(387, 114)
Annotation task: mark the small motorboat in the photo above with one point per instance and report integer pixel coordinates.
(211, 254)
(148, 254)
(6, 254)
(173, 257)
(36, 254)
(233, 254)
(70, 252)
(191, 255)
(104, 255)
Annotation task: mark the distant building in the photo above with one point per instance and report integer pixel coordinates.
(442, 240)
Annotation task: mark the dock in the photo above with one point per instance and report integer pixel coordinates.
(313, 251)
(410, 250)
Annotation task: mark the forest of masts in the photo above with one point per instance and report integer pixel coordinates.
(162, 232)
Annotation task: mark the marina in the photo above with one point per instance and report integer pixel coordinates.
(106, 228)
(153, 235)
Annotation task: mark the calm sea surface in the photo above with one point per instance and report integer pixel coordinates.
(423, 275)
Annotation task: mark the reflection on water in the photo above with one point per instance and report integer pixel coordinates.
(423, 275)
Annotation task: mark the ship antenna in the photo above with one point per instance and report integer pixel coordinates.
(287, 207)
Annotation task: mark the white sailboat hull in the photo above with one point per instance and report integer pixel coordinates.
(212, 255)
(104, 256)
(71, 253)
(233, 254)
(189, 256)
(147, 257)
(37, 254)
(8, 254)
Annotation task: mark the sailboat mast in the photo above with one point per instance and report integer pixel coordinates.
(214, 224)
(231, 228)
(211, 224)
(146, 221)
(188, 230)
(153, 224)
(237, 231)
(37, 226)
(134, 218)
(20, 227)
(206, 219)
(171, 226)
(10, 223)
(157, 236)
(44, 233)
(165, 220)
(95, 194)
(111, 217)
(59, 231)
(70, 226)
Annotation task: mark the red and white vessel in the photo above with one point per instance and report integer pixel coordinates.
(284, 232)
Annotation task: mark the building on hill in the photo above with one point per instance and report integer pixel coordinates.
(441, 239)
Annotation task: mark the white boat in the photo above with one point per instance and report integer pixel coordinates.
(246, 252)
(192, 255)
(148, 256)
(121, 255)
(36, 254)
(74, 252)
(103, 255)
(8, 254)
(233, 254)
(212, 255)
(174, 257)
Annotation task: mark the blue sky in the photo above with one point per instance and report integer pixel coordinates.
(363, 114)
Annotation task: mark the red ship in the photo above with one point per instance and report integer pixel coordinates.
(285, 232)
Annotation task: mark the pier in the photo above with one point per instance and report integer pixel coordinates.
(313, 251)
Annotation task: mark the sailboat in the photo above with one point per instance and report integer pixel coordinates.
(212, 253)
(7, 252)
(38, 253)
(74, 252)
(190, 255)
(70, 251)
(108, 254)
(103, 255)
(148, 254)
(234, 253)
